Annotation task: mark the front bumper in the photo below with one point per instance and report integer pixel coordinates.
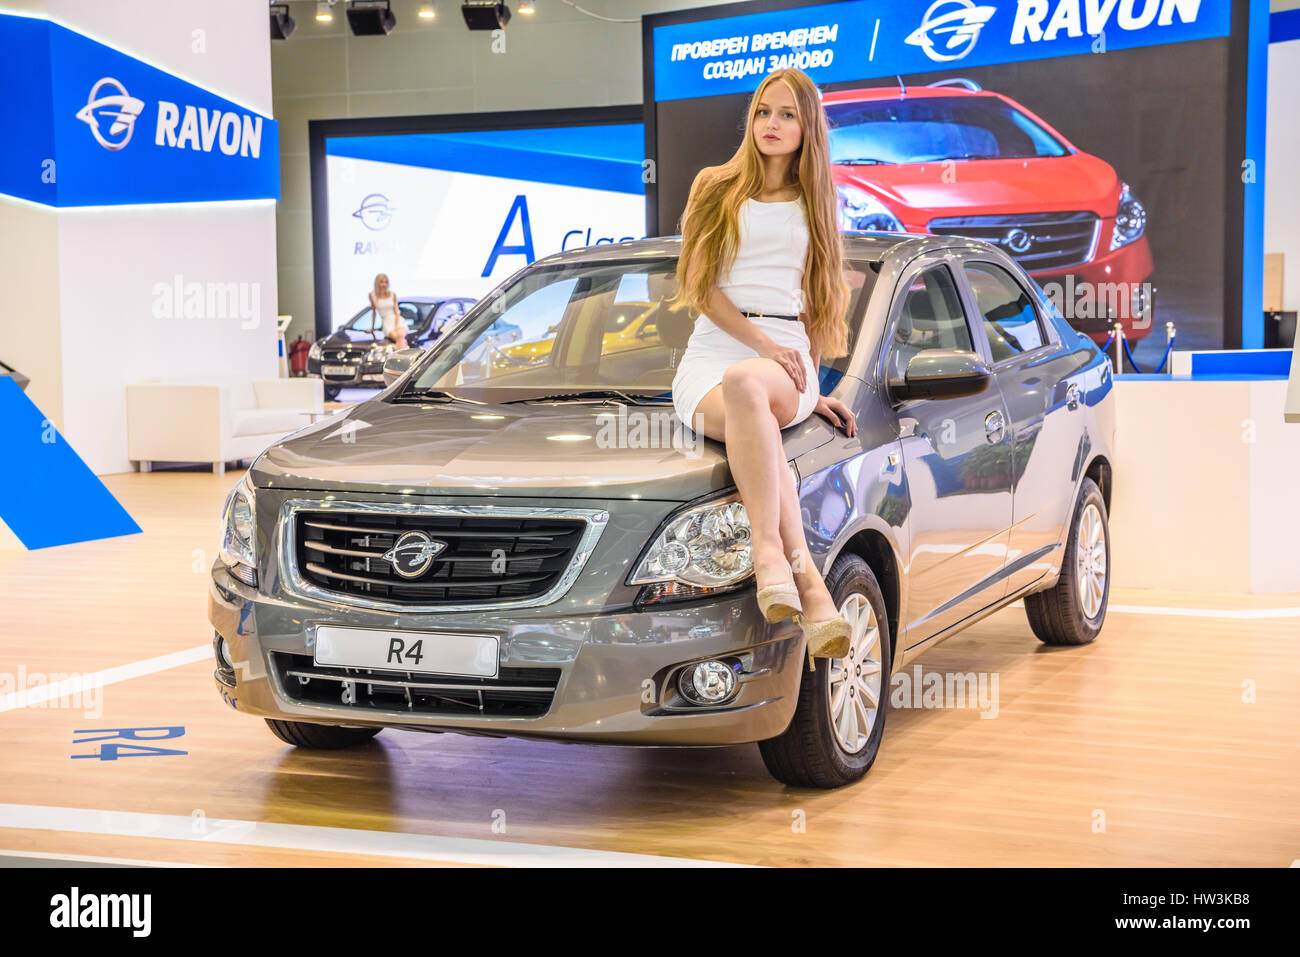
(361, 374)
(615, 669)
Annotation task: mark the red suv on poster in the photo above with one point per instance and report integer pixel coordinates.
(952, 159)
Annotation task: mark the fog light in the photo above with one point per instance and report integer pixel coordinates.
(709, 682)
(223, 655)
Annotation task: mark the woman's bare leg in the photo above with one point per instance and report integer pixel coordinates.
(746, 411)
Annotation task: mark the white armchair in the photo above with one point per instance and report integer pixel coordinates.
(215, 420)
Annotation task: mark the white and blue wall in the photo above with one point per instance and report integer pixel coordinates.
(96, 237)
(141, 160)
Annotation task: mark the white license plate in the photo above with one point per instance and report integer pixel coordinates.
(339, 370)
(429, 652)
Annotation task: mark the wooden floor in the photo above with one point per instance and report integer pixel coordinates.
(1173, 740)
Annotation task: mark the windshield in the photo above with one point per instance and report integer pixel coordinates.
(414, 314)
(932, 128)
(577, 327)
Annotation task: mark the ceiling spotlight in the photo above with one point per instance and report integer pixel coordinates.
(427, 12)
(323, 12)
(527, 6)
(282, 25)
(371, 18)
(485, 14)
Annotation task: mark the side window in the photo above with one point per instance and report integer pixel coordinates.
(931, 318)
(1010, 322)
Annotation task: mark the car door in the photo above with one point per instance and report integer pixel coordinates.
(1034, 373)
(956, 460)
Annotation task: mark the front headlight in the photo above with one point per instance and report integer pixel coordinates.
(1130, 219)
(379, 353)
(706, 546)
(238, 534)
(314, 352)
(859, 210)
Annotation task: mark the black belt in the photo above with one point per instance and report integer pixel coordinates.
(751, 315)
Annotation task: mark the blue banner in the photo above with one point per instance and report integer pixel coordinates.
(861, 39)
(595, 157)
(96, 127)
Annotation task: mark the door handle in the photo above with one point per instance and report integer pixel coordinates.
(1072, 397)
(994, 426)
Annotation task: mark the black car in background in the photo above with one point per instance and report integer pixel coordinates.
(353, 355)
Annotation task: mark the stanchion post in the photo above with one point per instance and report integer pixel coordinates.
(1119, 348)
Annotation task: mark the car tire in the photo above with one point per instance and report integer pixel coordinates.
(332, 392)
(811, 753)
(319, 737)
(1061, 615)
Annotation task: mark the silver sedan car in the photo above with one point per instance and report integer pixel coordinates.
(537, 547)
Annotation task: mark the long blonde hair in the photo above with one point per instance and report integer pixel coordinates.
(710, 223)
(374, 290)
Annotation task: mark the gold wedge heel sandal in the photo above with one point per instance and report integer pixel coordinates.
(779, 602)
(826, 639)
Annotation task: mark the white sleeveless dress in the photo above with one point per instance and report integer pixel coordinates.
(766, 276)
(387, 307)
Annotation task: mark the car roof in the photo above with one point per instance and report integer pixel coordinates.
(857, 245)
(432, 298)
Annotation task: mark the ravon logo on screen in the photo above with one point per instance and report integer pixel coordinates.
(949, 29)
(121, 107)
(375, 212)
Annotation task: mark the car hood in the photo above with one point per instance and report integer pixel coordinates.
(919, 192)
(439, 448)
(341, 340)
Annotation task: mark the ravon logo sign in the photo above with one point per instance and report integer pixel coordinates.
(375, 212)
(122, 108)
(179, 127)
(949, 29)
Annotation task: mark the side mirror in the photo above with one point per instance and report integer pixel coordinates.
(942, 374)
(397, 363)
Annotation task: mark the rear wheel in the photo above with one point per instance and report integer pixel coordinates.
(1074, 609)
(839, 720)
(319, 737)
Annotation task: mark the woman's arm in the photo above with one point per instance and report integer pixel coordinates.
(734, 322)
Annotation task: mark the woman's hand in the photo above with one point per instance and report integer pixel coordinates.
(791, 360)
(839, 415)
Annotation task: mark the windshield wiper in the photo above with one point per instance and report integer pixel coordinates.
(430, 395)
(657, 398)
(862, 161)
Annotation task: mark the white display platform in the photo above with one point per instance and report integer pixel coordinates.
(1205, 476)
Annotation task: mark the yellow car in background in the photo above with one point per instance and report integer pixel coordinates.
(631, 325)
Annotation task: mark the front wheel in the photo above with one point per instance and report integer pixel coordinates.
(1074, 609)
(839, 720)
(332, 392)
(319, 737)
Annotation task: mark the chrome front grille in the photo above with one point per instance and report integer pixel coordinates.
(486, 556)
(1055, 240)
(515, 692)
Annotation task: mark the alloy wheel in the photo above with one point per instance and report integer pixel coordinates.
(1090, 561)
(855, 680)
